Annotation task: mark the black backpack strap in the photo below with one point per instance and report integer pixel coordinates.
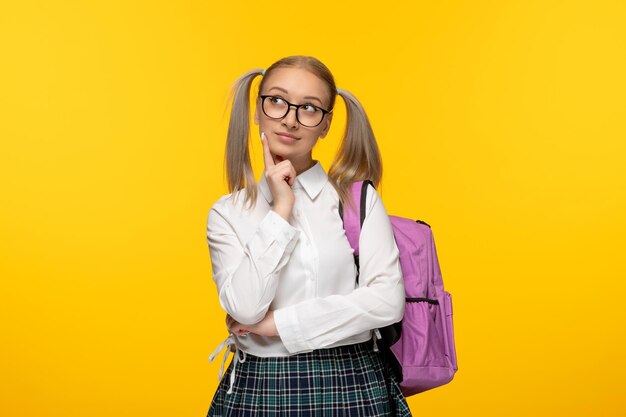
(341, 211)
(422, 222)
(362, 219)
(363, 206)
(364, 199)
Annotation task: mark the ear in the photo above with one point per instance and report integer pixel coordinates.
(329, 118)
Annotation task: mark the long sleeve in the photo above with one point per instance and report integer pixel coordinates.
(377, 302)
(246, 273)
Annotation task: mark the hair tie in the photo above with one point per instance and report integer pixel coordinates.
(263, 72)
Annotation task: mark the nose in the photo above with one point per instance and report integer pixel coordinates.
(290, 118)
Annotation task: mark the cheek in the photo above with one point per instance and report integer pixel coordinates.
(310, 141)
(267, 125)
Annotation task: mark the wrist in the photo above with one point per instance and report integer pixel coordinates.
(283, 211)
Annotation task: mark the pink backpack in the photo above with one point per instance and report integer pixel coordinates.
(420, 348)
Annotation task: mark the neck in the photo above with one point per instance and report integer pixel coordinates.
(305, 166)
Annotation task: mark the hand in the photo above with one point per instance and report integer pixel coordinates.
(266, 327)
(280, 177)
(235, 327)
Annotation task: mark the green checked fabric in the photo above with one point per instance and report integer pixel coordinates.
(341, 381)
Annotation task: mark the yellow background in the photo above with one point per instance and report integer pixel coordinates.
(500, 123)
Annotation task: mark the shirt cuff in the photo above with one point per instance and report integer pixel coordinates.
(289, 330)
(283, 233)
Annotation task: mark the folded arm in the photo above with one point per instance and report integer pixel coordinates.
(246, 274)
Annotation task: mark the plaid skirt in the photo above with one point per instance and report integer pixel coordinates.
(350, 380)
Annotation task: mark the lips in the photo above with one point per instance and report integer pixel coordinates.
(287, 135)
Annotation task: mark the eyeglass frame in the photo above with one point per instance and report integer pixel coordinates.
(289, 106)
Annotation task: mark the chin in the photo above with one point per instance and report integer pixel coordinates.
(285, 150)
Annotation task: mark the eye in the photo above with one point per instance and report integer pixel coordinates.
(309, 108)
(277, 100)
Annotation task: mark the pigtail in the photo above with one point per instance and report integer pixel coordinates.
(358, 157)
(237, 155)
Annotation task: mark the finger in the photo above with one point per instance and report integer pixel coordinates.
(238, 329)
(292, 175)
(230, 323)
(287, 171)
(267, 155)
(234, 327)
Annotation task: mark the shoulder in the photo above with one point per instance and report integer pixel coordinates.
(375, 209)
(372, 198)
(222, 202)
(230, 201)
(226, 205)
(373, 206)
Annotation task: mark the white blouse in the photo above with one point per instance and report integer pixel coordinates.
(303, 269)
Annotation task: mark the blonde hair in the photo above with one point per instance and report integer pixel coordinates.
(358, 157)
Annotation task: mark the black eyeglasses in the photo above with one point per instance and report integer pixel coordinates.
(307, 115)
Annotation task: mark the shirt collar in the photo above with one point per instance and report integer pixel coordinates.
(312, 180)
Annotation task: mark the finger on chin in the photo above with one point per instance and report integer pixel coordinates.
(267, 155)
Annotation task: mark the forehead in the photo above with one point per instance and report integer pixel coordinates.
(298, 83)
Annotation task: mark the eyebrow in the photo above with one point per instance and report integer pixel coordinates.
(287, 92)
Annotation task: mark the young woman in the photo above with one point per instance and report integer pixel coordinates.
(300, 326)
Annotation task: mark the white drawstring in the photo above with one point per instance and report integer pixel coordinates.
(377, 335)
(230, 340)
